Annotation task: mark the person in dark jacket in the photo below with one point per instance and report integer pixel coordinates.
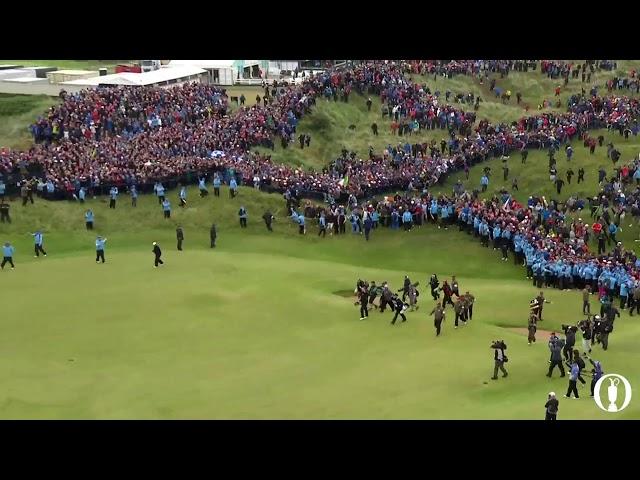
(556, 345)
(532, 327)
(368, 225)
(158, 253)
(499, 358)
(363, 296)
(570, 341)
(213, 235)
(268, 218)
(577, 359)
(551, 407)
(447, 292)
(586, 326)
(434, 283)
(405, 287)
(399, 308)
(438, 317)
(386, 297)
(242, 215)
(179, 237)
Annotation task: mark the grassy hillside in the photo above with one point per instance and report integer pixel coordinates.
(17, 113)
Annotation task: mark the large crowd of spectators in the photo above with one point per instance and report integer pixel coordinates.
(131, 135)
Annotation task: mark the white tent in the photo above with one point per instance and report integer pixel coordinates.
(220, 72)
(163, 76)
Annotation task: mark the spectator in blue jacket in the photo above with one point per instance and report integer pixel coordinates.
(38, 239)
(573, 378)
(134, 195)
(183, 196)
(100, 242)
(216, 184)
(613, 230)
(88, 219)
(407, 220)
(7, 254)
(166, 208)
(113, 196)
(159, 188)
(484, 182)
(233, 188)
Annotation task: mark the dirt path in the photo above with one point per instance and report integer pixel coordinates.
(524, 331)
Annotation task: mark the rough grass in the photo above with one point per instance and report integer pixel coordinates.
(17, 112)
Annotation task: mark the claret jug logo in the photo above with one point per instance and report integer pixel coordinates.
(613, 383)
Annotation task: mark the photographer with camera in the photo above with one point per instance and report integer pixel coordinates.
(555, 346)
(500, 358)
(552, 407)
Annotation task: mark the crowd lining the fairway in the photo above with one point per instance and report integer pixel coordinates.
(128, 137)
(151, 139)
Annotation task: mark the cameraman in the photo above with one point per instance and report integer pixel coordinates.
(555, 345)
(551, 406)
(500, 358)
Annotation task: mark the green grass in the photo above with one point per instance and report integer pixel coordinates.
(328, 126)
(258, 327)
(263, 326)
